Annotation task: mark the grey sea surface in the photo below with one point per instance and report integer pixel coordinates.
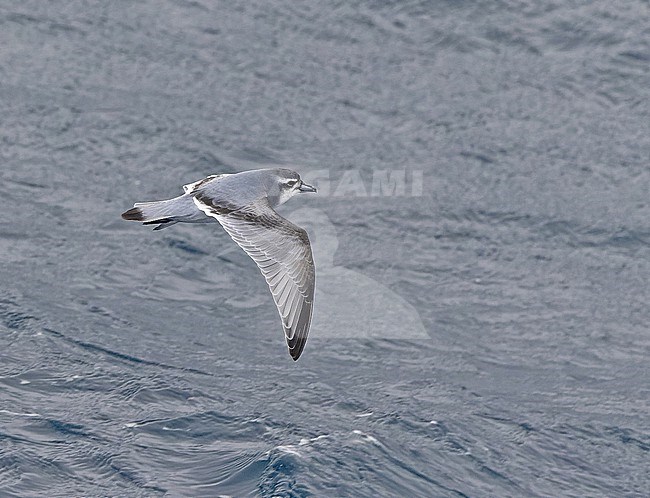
(483, 332)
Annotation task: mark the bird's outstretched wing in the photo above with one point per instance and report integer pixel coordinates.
(282, 252)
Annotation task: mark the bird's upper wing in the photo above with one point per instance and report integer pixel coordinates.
(193, 187)
(282, 252)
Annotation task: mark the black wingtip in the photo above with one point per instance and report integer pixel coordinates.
(295, 349)
(133, 214)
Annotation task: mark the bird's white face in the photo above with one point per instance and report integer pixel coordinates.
(291, 186)
(288, 188)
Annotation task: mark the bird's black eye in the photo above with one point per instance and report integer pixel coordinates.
(291, 183)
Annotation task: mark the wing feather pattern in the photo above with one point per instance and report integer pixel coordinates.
(282, 252)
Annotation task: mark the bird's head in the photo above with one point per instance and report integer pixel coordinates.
(286, 184)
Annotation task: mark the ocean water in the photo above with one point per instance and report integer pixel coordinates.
(482, 240)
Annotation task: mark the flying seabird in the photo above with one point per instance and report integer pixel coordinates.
(243, 203)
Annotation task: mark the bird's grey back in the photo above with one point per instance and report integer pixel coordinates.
(245, 188)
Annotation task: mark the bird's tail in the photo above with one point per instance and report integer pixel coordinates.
(165, 213)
